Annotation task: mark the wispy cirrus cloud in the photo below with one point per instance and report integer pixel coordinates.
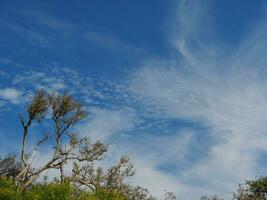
(195, 122)
(30, 34)
(46, 30)
(224, 92)
(103, 124)
(111, 43)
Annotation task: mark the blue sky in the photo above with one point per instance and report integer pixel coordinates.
(179, 85)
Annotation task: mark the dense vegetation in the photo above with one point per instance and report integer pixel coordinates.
(9, 190)
(19, 180)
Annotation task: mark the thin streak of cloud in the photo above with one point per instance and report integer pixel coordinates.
(111, 43)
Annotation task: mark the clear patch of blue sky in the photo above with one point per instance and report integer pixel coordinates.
(234, 18)
(137, 28)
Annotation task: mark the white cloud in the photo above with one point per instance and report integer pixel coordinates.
(151, 152)
(148, 176)
(103, 124)
(11, 95)
(225, 93)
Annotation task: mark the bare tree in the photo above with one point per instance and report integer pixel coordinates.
(113, 179)
(63, 113)
(169, 196)
(96, 178)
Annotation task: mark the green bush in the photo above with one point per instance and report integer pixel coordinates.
(104, 195)
(9, 190)
(51, 191)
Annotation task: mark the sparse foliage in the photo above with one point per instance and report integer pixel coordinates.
(113, 179)
(87, 181)
(9, 166)
(64, 113)
(252, 190)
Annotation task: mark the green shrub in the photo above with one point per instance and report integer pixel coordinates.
(104, 195)
(52, 191)
(9, 190)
